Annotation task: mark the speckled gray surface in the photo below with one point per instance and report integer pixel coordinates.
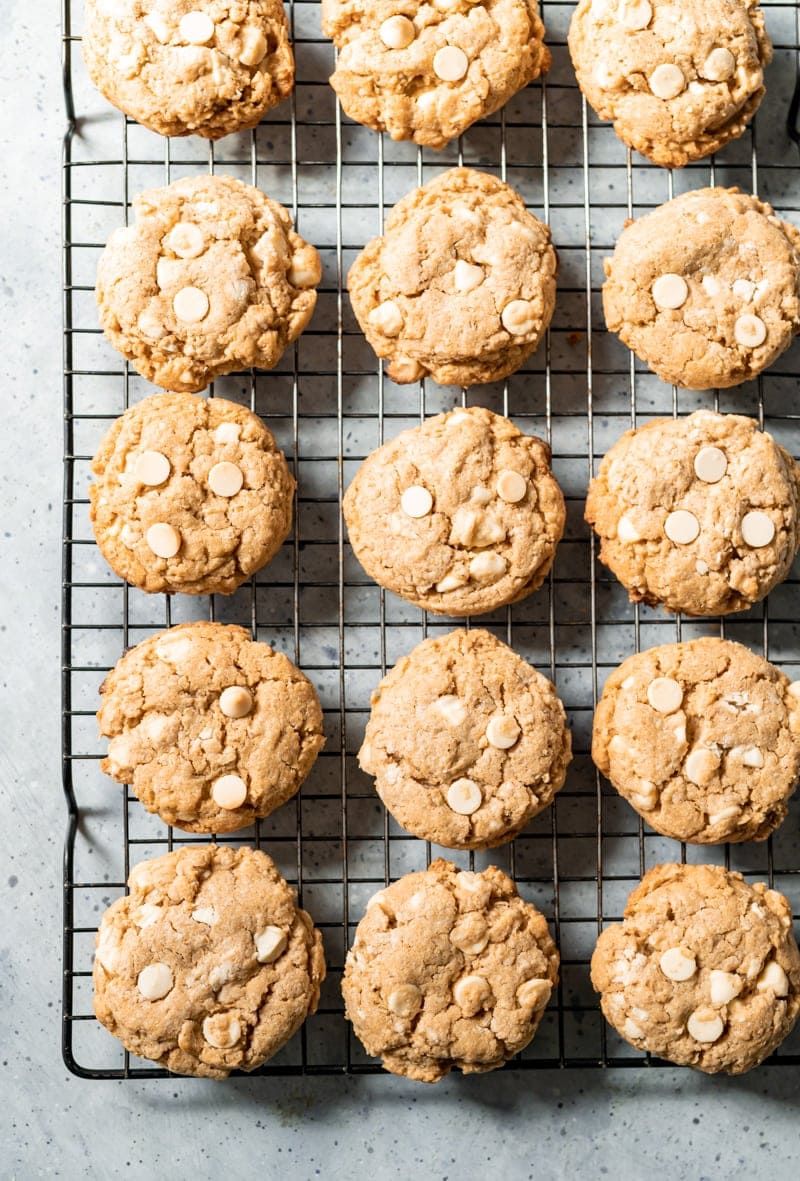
(624, 1124)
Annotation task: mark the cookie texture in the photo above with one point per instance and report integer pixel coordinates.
(678, 81)
(189, 67)
(706, 288)
(459, 515)
(428, 71)
(190, 495)
(448, 969)
(702, 738)
(461, 286)
(466, 741)
(703, 971)
(211, 729)
(209, 278)
(698, 514)
(207, 965)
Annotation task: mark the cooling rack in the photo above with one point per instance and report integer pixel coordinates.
(329, 404)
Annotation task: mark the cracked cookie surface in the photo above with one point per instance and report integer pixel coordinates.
(448, 969)
(189, 67)
(467, 742)
(211, 729)
(678, 78)
(191, 495)
(703, 971)
(427, 71)
(209, 278)
(706, 288)
(461, 286)
(207, 965)
(702, 738)
(699, 514)
(459, 515)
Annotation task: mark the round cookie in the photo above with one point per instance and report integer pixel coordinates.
(702, 738)
(448, 969)
(699, 514)
(191, 495)
(679, 79)
(462, 285)
(184, 67)
(706, 288)
(703, 971)
(207, 965)
(459, 515)
(466, 741)
(426, 71)
(211, 729)
(209, 278)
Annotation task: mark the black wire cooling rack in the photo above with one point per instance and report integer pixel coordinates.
(329, 404)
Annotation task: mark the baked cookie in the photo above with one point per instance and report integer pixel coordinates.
(207, 965)
(211, 729)
(427, 70)
(466, 741)
(703, 971)
(462, 285)
(702, 738)
(459, 515)
(706, 289)
(699, 514)
(191, 495)
(679, 79)
(210, 277)
(189, 67)
(448, 969)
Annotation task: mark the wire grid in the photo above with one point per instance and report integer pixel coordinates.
(329, 404)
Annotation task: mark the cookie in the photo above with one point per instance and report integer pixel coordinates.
(207, 965)
(459, 515)
(462, 285)
(427, 71)
(448, 969)
(679, 80)
(706, 288)
(211, 729)
(699, 514)
(703, 971)
(208, 279)
(191, 495)
(195, 67)
(702, 738)
(466, 741)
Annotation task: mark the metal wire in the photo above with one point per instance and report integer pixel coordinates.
(329, 404)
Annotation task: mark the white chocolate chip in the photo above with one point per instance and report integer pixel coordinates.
(227, 432)
(701, 566)
(467, 275)
(503, 731)
(723, 986)
(155, 981)
(711, 285)
(190, 304)
(635, 14)
(236, 701)
(254, 47)
(753, 757)
(225, 479)
(750, 331)
(416, 501)
(682, 527)
(665, 695)
(667, 81)
(451, 708)
(773, 977)
(186, 240)
(481, 495)
(397, 32)
(450, 582)
(152, 468)
(704, 1025)
(450, 63)
(535, 993)
(163, 540)
(631, 1029)
(718, 66)
(229, 792)
(487, 565)
(700, 766)
(511, 486)
(757, 529)
(206, 915)
(646, 798)
(519, 317)
(670, 291)
(405, 1000)
(626, 530)
(196, 28)
(723, 814)
(305, 270)
(464, 797)
(794, 688)
(471, 994)
(147, 914)
(387, 318)
(710, 464)
(222, 1030)
(678, 964)
(270, 943)
(744, 289)
(158, 26)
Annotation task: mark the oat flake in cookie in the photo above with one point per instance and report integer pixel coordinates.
(699, 514)
(459, 515)
(207, 965)
(702, 738)
(461, 286)
(209, 278)
(189, 67)
(706, 289)
(703, 971)
(466, 741)
(448, 969)
(211, 729)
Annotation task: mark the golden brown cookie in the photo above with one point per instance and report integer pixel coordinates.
(207, 965)
(211, 729)
(466, 741)
(448, 969)
(703, 971)
(191, 495)
(702, 738)
(461, 286)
